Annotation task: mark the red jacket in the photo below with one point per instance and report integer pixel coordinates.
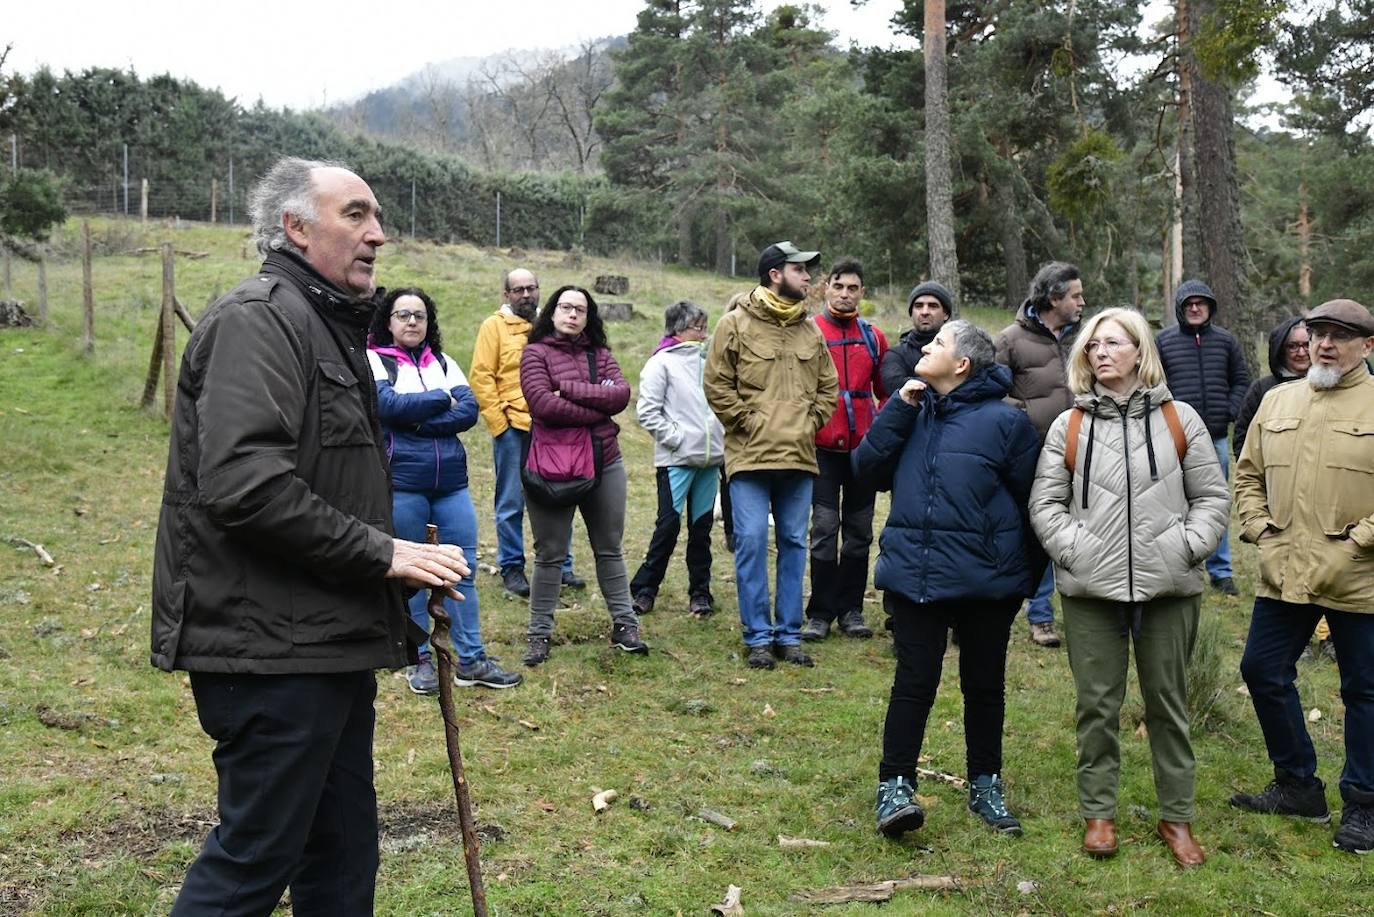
(861, 386)
(556, 364)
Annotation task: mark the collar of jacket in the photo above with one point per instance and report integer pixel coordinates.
(321, 293)
(914, 338)
(1030, 319)
(1103, 403)
(581, 342)
(992, 382)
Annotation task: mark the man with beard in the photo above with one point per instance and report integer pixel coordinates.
(840, 500)
(495, 382)
(770, 380)
(930, 305)
(1305, 496)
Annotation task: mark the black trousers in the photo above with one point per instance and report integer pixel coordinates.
(296, 801)
(667, 526)
(919, 633)
(840, 504)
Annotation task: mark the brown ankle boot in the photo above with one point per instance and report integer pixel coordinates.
(1099, 837)
(1178, 837)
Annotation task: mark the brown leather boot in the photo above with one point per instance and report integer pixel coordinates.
(1178, 837)
(1099, 837)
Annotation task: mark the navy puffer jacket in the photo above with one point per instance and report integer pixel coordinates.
(960, 469)
(1204, 367)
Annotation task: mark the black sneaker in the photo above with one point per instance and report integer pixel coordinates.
(1288, 797)
(485, 673)
(1356, 834)
(760, 657)
(513, 578)
(572, 581)
(1225, 585)
(898, 810)
(815, 629)
(987, 800)
(626, 637)
(702, 606)
(852, 624)
(537, 652)
(643, 602)
(793, 653)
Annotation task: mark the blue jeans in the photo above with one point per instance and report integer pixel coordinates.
(1038, 609)
(457, 522)
(1219, 564)
(1279, 632)
(507, 451)
(788, 495)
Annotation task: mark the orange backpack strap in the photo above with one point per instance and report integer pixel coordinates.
(1071, 440)
(1175, 429)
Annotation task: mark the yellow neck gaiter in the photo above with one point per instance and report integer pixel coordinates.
(784, 311)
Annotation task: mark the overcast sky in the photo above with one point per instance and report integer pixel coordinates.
(305, 54)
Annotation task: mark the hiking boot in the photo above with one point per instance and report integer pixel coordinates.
(702, 606)
(1044, 635)
(815, 629)
(1288, 797)
(793, 653)
(643, 602)
(537, 652)
(513, 578)
(987, 800)
(852, 624)
(760, 657)
(1225, 585)
(1326, 649)
(626, 637)
(898, 811)
(1356, 834)
(485, 673)
(571, 580)
(422, 678)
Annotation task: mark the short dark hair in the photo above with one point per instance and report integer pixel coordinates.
(379, 332)
(1052, 282)
(847, 266)
(543, 322)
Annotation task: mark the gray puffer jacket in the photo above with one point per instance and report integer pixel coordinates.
(1129, 524)
(672, 407)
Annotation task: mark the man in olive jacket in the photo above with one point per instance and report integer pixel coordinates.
(1305, 495)
(770, 380)
(276, 581)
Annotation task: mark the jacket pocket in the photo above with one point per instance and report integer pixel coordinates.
(755, 367)
(343, 416)
(1351, 446)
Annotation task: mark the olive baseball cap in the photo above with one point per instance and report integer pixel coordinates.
(779, 253)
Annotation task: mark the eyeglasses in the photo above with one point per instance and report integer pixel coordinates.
(1295, 346)
(1109, 345)
(1337, 335)
(530, 288)
(571, 309)
(406, 316)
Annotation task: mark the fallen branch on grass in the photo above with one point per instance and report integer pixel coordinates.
(731, 906)
(43, 556)
(603, 799)
(717, 819)
(798, 842)
(883, 891)
(925, 773)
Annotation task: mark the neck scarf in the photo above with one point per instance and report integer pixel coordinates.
(782, 310)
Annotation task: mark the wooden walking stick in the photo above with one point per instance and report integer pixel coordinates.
(440, 643)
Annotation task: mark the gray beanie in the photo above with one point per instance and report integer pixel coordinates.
(932, 288)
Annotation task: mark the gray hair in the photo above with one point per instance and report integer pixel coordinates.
(973, 342)
(286, 188)
(682, 315)
(1052, 282)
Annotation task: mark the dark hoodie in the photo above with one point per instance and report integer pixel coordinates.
(1204, 367)
(899, 363)
(1278, 339)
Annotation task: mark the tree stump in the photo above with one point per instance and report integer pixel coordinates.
(616, 311)
(613, 284)
(12, 314)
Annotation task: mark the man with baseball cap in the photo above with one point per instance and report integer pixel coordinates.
(930, 305)
(770, 380)
(1305, 494)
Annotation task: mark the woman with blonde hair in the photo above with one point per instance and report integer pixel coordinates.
(1128, 502)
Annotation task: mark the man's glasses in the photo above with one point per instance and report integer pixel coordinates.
(1337, 335)
(571, 309)
(406, 316)
(530, 288)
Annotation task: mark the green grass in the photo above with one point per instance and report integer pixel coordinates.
(104, 818)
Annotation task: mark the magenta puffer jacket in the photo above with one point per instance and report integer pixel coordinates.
(556, 378)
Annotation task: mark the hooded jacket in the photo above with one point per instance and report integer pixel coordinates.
(422, 414)
(1129, 524)
(1307, 474)
(495, 371)
(274, 536)
(1205, 367)
(772, 386)
(960, 469)
(899, 363)
(672, 407)
(861, 391)
(1039, 362)
(556, 364)
(1278, 374)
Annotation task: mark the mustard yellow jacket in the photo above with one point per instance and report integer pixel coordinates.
(495, 374)
(1305, 493)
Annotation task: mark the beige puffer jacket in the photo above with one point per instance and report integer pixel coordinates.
(1148, 525)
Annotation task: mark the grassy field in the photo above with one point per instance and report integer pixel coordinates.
(106, 783)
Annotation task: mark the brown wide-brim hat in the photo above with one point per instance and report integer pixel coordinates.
(1344, 312)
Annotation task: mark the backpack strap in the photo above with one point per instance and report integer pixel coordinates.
(1071, 440)
(1175, 429)
(870, 339)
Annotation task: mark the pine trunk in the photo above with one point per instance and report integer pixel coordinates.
(944, 257)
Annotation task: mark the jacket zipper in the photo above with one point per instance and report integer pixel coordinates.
(1126, 452)
(1201, 377)
(705, 408)
(435, 440)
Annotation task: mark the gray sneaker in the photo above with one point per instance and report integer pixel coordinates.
(422, 679)
(484, 673)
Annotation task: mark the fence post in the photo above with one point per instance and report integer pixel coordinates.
(412, 208)
(498, 219)
(42, 289)
(87, 293)
(126, 179)
(231, 189)
(169, 328)
(143, 204)
(214, 200)
(9, 279)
